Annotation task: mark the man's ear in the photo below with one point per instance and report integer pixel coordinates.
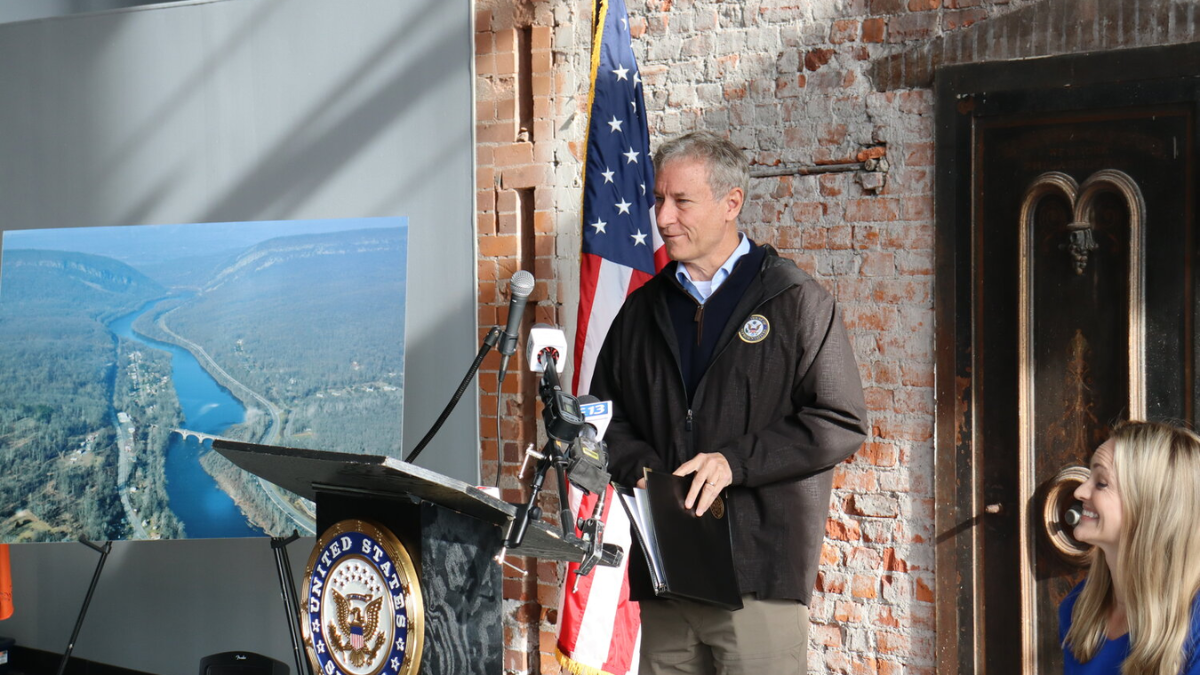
(733, 203)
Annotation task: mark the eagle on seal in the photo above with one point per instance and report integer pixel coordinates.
(356, 630)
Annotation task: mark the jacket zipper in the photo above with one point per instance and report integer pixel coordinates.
(687, 425)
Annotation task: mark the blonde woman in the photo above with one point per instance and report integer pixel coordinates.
(1138, 612)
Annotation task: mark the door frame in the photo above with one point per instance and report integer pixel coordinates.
(957, 486)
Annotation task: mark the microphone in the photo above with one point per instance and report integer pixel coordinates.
(547, 340)
(519, 288)
(1074, 514)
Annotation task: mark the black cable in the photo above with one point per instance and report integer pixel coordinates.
(493, 336)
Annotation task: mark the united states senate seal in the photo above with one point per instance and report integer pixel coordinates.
(363, 613)
(755, 329)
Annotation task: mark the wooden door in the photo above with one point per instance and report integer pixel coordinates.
(1067, 259)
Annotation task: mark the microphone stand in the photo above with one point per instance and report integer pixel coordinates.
(554, 456)
(87, 600)
(489, 342)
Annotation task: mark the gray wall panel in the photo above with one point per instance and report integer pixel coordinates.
(233, 110)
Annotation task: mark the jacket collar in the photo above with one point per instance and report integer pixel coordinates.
(776, 275)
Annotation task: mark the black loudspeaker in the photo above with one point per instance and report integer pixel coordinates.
(241, 663)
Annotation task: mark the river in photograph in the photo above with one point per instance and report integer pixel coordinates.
(196, 499)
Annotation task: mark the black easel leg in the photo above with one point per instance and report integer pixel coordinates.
(87, 600)
(291, 605)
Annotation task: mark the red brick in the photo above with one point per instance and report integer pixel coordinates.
(901, 291)
(498, 245)
(917, 208)
(829, 636)
(878, 264)
(962, 18)
(887, 6)
(831, 582)
(908, 237)
(873, 209)
(866, 236)
(868, 317)
(506, 63)
(484, 43)
(904, 430)
(816, 58)
(877, 454)
(506, 40)
(483, 20)
(892, 643)
(485, 223)
(892, 562)
(807, 212)
(923, 5)
(830, 555)
(514, 154)
(832, 185)
(916, 375)
(508, 223)
(542, 37)
(832, 134)
(914, 401)
(845, 30)
(506, 109)
(864, 586)
(915, 26)
(872, 505)
(857, 479)
(525, 177)
(848, 612)
(485, 65)
(842, 531)
(883, 372)
(873, 30)
(919, 154)
(878, 399)
(485, 178)
(839, 238)
(923, 592)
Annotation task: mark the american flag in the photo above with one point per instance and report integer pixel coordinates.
(621, 246)
(599, 628)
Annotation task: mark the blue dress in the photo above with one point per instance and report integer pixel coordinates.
(1108, 660)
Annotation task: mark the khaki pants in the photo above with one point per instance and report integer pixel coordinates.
(687, 638)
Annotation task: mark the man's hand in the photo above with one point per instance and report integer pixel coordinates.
(712, 475)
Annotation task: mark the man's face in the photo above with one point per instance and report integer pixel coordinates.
(695, 225)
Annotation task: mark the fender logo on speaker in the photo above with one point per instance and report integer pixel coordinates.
(363, 611)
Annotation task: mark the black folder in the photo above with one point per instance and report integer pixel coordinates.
(690, 557)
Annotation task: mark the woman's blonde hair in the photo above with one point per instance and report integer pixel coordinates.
(1157, 471)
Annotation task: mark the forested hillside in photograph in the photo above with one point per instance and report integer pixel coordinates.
(58, 365)
(315, 324)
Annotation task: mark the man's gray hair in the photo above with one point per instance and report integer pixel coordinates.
(728, 167)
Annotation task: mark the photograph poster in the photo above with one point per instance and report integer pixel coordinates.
(125, 350)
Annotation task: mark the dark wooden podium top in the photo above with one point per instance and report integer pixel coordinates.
(307, 472)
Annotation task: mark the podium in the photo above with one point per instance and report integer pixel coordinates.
(451, 530)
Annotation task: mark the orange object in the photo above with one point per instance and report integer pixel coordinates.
(6, 596)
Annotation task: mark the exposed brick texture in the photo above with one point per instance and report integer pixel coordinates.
(797, 83)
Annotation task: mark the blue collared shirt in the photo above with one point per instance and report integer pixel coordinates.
(702, 290)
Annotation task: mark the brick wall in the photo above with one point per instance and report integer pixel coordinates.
(812, 83)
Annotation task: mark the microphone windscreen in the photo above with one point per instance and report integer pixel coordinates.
(521, 284)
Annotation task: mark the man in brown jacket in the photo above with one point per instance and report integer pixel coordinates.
(731, 365)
